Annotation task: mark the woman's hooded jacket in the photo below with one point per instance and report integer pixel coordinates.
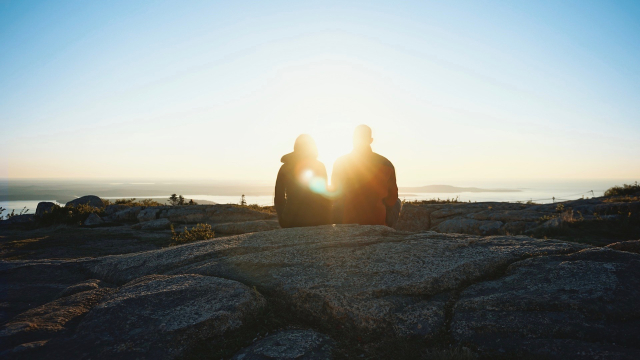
(300, 196)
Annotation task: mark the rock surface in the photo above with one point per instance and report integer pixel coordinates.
(159, 317)
(367, 277)
(246, 227)
(212, 214)
(159, 224)
(43, 322)
(629, 246)
(290, 345)
(90, 200)
(495, 295)
(586, 300)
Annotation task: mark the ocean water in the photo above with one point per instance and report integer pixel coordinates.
(537, 195)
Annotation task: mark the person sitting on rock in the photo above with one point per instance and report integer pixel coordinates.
(301, 187)
(365, 185)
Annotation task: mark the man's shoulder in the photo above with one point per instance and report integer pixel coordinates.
(382, 160)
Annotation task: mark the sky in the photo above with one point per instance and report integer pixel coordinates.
(455, 91)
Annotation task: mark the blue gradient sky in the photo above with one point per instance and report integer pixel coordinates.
(454, 91)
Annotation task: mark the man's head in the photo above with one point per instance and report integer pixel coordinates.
(362, 137)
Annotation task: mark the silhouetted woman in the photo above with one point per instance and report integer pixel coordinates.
(301, 187)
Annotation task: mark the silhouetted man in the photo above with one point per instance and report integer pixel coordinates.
(365, 184)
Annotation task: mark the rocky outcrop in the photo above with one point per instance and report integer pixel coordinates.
(491, 218)
(90, 200)
(561, 307)
(44, 207)
(159, 317)
(290, 345)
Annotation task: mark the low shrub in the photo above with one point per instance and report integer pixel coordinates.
(198, 232)
(132, 202)
(626, 189)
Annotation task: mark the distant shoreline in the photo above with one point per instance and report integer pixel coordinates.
(448, 189)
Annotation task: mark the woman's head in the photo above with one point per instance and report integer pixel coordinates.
(305, 146)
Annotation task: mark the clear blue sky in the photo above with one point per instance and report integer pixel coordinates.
(219, 90)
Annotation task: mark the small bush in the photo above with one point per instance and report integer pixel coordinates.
(623, 190)
(198, 232)
(12, 213)
(176, 200)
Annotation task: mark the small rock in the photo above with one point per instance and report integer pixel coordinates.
(289, 344)
(93, 220)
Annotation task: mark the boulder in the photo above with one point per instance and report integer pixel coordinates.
(365, 278)
(90, 200)
(576, 306)
(246, 227)
(159, 224)
(161, 317)
(629, 246)
(48, 320)
(112, 209)
(93, 219)
(127, 215)
(148, 214)
(44, 207)
(290, 345)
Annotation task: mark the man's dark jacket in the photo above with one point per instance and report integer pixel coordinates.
(365, 183)
(296, 202)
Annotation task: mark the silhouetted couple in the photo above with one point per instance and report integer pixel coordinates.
(363, 186)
